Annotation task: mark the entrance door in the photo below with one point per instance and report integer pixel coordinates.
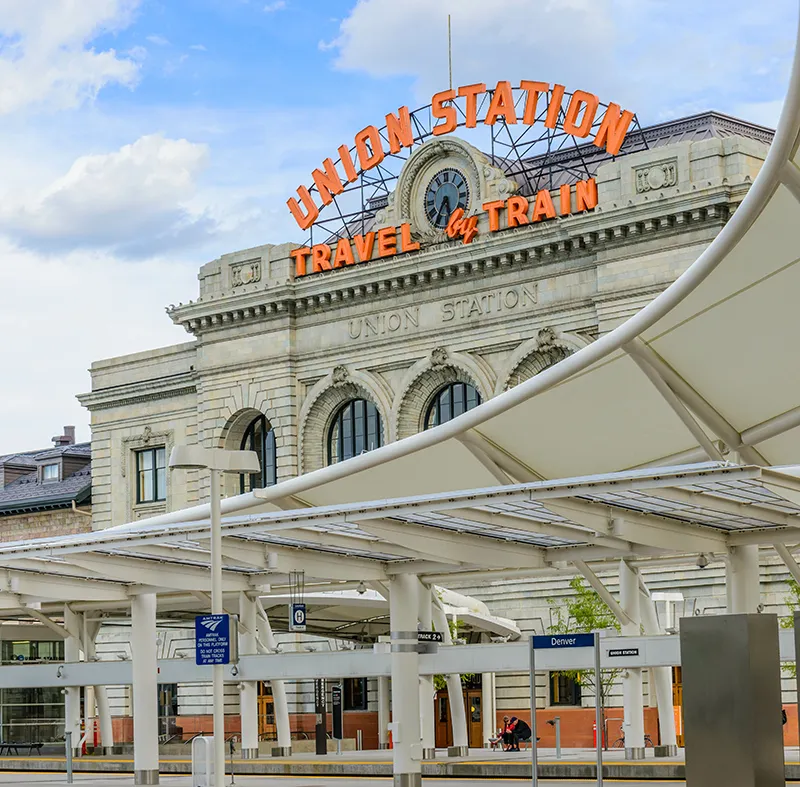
(473, 699)
(677, 702)
(266, 713)
(444, 730)
(474, 709)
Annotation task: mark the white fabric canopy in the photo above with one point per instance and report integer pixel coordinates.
(706, 370)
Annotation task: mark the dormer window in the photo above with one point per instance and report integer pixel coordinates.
(50, 472)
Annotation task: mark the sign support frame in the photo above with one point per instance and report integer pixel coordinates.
(598, 704)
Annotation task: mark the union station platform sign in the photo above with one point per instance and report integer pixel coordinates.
(540, 114)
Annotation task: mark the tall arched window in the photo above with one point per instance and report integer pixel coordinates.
(450, 401)
(260, 437)
(356, 428)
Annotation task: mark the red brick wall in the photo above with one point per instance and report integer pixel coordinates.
(577, 725)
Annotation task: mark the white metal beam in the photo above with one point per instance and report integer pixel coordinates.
(443, 545)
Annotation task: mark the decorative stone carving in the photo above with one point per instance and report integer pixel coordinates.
(247, 272)
(340, 375)
(143, 441)
(439, 357)
(656, 176)
(546, 339)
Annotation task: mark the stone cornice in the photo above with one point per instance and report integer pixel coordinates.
(137, 392)
(608, 227)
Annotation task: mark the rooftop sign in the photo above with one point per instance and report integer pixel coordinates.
(575, 117)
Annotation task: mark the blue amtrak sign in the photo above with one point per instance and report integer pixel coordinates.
(212, 639)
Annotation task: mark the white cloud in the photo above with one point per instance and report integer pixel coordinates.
(198, 48)
(45, 60)
(65, 313)
(278, 5)
(655, 57)
(114, 200)
(158, 40)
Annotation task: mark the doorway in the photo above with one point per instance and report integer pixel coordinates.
(473, 704)
(267, 730)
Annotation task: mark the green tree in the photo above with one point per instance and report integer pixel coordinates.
(583, 613)
(792, 600)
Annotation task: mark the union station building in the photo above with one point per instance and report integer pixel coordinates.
(310, 357)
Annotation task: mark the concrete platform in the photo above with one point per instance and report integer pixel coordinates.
(575, 764)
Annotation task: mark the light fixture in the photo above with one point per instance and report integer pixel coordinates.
(362, 588)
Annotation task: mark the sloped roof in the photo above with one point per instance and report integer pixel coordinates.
(27, 493)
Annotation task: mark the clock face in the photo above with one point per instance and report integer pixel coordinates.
(447, 191)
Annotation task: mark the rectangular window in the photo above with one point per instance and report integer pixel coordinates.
(564, 689)
(50, 472)
(355, 694)
(151, 475)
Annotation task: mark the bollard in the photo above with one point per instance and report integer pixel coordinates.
(233, 749)
(558, 737)
(68, 745)
(359, 741)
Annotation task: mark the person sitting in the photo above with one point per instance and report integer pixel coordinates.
(523, 732)
(509, 734)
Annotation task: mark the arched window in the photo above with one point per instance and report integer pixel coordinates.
(356, 428)
(260, 437)
(450, 401)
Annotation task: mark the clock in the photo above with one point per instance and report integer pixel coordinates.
(447, 191)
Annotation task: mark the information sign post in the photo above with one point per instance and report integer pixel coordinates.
(559, 641)
(338, 717)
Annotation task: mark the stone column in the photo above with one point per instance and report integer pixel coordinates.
(426, 690)
(632, 699)
(407, 752)
(248, 691)
(145, 689)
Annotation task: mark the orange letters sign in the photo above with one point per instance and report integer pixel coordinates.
(579, 115)
(513, 212)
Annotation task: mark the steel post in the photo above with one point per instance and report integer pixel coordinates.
(632, 699)
(145, 688)
(217, 671)
(406, 740)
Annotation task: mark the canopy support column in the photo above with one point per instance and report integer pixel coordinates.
(743, 580)
(661, 677)
(383, 713)
(72, 654)
(455, 694)
(403, 606)
(280, 703)
(248, 692)
(145, 689)
(426, 691)
(100, 693)
(632, 700)
(488, 706)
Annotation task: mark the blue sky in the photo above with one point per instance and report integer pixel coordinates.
(142, 138)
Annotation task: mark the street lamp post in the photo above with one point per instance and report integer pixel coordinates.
(217, 461)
